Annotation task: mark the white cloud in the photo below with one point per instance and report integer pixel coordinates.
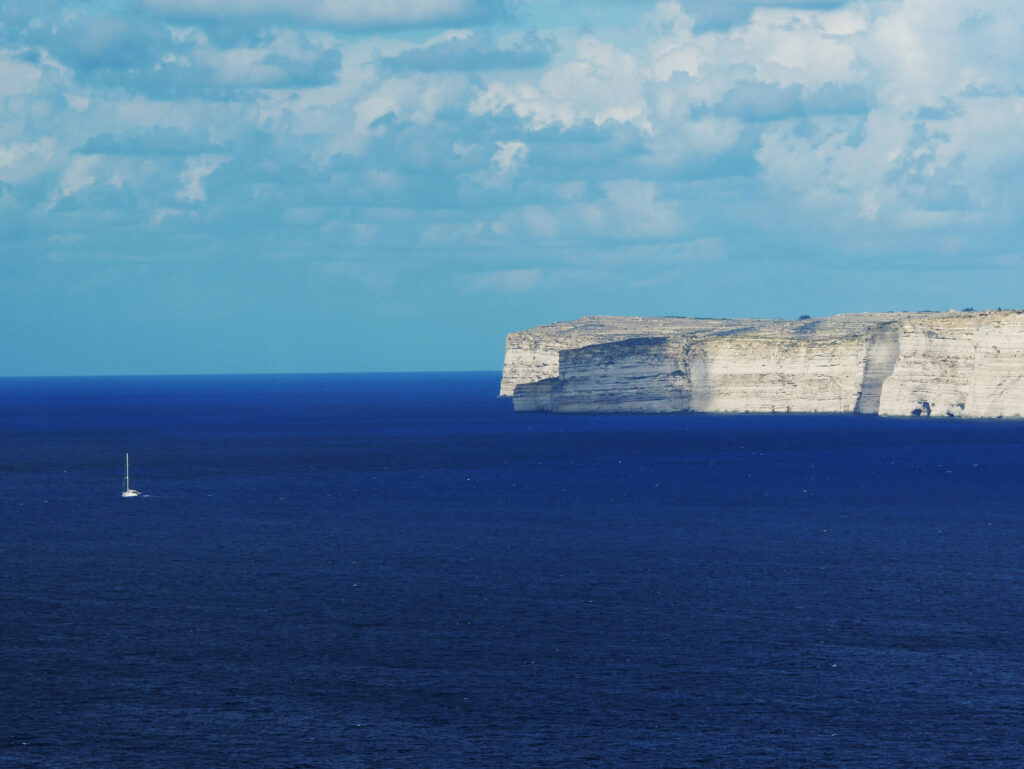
(415, 99)
(806, 47)
(627, 209)
(242, 66)
(601, 83)
(346, 13)
(78, 175)
(197, 169)
(541, 222)
(451, 233)
(278, 62)
(20, 161)
(931, 141)
(869, 205)
(621, 135)
(162, 214)
(77, 101)
(18, 77)
(510, 155)
(637, 210)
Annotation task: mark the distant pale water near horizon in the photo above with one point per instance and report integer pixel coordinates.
(398, 571)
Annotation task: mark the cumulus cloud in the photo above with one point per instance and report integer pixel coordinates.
(21, 161)
(636, 211)
(154, 140)
(78, 175)
(472, 51)
(342, 13)
(246, 67)
(194, 65)
(600, 83)
(510, 155)
(724, 14)
(89, 43)
(197, 169)
(18, 76)
(869, 116)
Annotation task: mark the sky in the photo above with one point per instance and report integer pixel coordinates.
(339, 185)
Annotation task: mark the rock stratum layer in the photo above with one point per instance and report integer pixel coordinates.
(957, 364)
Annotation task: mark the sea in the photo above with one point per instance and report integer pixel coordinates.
(399, 571)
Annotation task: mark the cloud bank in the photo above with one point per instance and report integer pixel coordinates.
(459, 147)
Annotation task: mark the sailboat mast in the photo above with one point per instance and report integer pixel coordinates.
(128, 491)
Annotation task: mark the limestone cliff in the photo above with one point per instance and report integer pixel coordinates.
(924, 364)
(532, 355)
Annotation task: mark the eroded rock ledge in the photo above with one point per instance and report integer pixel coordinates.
(968, 364)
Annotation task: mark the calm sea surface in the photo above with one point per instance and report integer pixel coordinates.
(397, 571)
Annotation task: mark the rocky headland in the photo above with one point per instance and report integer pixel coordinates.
(955, 364)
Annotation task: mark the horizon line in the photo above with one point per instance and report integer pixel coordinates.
(9, 377)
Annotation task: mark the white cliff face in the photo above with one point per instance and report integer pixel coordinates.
(632, 375)
(532, 355)
(924, 364)
(934, 367)
(528, 358)
(738, 373)
(964, 365)
(881, 352)
(997, 388)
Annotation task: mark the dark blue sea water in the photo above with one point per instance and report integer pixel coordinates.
(398, 571)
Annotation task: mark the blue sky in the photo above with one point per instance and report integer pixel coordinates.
(333, 185)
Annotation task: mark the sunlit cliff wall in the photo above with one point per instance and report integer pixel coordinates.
(923, 364)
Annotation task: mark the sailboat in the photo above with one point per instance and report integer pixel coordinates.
(126, 489)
